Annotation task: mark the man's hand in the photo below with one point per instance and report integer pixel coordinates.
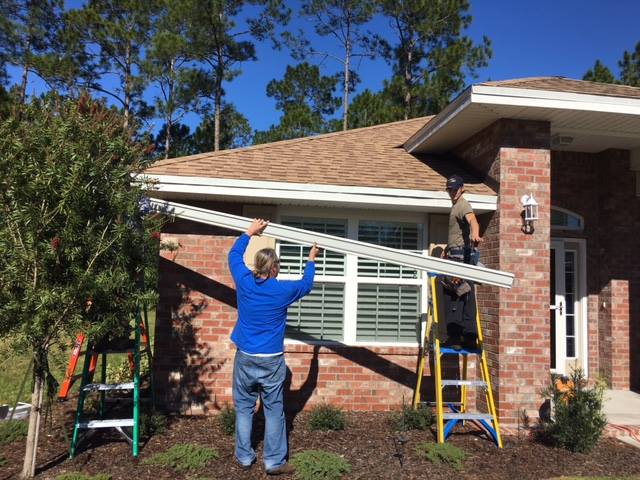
(476, 239)
(313, 253)
(257, 227)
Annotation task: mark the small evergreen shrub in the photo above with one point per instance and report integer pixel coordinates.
(83, 476)
(410, 418)
(183, 457)
(13, 430)
(319, 465)
(119, 371)
(326, 417)
(152, 423)
(227, 420)
(441, 453)
(578, 420)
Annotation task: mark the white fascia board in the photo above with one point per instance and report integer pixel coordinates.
(439, 121)
(358, 196)
(336, 244)
(522, 97)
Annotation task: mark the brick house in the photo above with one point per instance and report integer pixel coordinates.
(353, 342)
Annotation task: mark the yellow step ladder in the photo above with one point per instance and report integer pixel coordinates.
(457, 411)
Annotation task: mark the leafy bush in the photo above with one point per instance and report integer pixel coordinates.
(13, 430)
(409, 418)
(319, 465)
(227, 420)
(183, 457)
(441, 453)
(2, 460)
(119, 371)
(326, 417)
(578, 421)
(152, 423)
(83, 476)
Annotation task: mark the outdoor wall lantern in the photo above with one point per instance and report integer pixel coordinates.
(529, 213)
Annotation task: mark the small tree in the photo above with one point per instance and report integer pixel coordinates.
(74, 252)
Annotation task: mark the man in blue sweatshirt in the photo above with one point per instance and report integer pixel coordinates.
(259, 366)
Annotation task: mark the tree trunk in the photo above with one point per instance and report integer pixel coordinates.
(169, 117)
(29, 466)
(23, 84)
(407, 84)
(127, 87)
(345, 95)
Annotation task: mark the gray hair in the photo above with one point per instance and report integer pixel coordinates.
(264, 262)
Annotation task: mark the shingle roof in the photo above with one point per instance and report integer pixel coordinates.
(367, 157)
(569, 85)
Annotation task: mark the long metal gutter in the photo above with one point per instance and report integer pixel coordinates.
(337, 244)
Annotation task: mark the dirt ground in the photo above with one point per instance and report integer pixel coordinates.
(368, 444)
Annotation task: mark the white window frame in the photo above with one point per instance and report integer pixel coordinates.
(351, 279)
(564, 227)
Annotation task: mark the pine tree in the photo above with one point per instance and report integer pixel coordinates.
(168, 64)
(430, 55)
(599, 73)
(630, 67)
(340, 20)
(306, 98)
(223, 38)
(116, 34)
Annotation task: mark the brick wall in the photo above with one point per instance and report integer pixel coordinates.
(514, 157)
(194, 355)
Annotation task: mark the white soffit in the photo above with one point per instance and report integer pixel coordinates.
(594, 122)
(250, 191)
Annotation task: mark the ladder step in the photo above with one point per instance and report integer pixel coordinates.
(467, 416)
(466, 383)
(105, 387)
(461, 351)
(113, 423)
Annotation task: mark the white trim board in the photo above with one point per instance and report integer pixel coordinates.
(341, 245)
(326, 194)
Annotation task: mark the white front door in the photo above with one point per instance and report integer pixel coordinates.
(557, 307)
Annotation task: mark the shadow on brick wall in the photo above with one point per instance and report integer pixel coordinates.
(183, 362)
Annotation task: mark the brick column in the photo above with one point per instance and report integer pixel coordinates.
(514, 158)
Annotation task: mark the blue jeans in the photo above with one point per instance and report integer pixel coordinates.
(264, 376)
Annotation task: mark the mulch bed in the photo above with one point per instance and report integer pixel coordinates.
(368, 444)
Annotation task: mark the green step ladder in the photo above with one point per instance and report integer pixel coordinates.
(86, 388)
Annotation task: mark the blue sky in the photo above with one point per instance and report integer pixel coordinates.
(545, 37)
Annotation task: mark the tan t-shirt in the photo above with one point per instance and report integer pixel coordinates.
(458, 225)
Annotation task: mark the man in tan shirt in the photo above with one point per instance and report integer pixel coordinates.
(464, 230)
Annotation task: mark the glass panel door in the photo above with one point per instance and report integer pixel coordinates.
(557, 307)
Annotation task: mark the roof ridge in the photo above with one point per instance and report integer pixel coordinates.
(171, 161)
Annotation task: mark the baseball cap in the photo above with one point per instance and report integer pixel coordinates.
(454, 182)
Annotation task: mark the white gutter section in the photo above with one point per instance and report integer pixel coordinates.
(358, 196)
(337, 244)
(523, 98)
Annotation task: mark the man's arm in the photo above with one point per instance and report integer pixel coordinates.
(236, 254)
(474, 227)
(302, 287)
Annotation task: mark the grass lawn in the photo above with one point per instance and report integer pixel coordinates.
(13, 366)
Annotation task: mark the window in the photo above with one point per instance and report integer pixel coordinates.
(570, 286)
(565, 220)
(355, 300)
(319, 315)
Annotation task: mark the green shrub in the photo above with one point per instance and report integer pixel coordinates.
(152, 423)
(83, 476)
(326, 417)
(578, 421)
(119, 371)
(227, 420)
(319, 465)
(13, 430)
(183, 457)
(441, 453)
(409, 418)
(3, 460)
